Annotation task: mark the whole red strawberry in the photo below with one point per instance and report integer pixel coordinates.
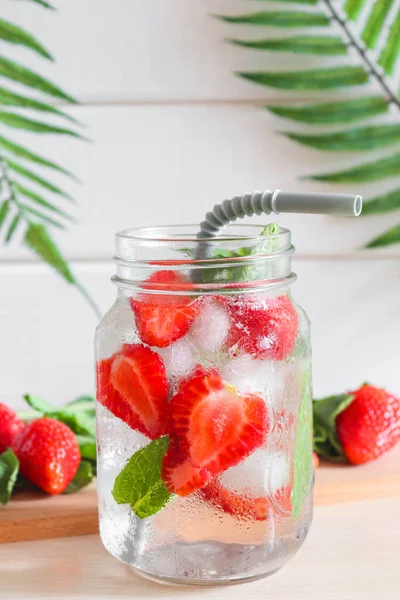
(10, 425)
(48, 453)
(370, 425)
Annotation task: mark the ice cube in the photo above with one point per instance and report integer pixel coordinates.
(247, 374)
(210, 327)
(259, 474)
(179, 358)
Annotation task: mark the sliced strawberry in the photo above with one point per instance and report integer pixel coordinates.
(212, 427)
(265, 328)
(254, 489)
(179, 473)
(133, 385)
(164, 318)
(244, 507)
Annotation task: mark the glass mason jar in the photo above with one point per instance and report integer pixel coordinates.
(204, 406)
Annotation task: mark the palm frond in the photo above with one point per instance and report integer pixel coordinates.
(391, 236)
(19, 74)
(8, 98)
(375, 28)
(312, 79)
(280, 19)
(28, 174)
(384, 203)
(18, 122)
(25, 211)
(22, 152)
(303, 44)
(333, 112)
(43, 3)
(15, 35)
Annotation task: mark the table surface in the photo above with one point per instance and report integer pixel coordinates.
(352, 553)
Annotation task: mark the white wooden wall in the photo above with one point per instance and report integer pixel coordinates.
(173, 132)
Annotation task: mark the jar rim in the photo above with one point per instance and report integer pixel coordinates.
(161, 234)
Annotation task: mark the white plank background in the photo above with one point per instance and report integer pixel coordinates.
(174, 131)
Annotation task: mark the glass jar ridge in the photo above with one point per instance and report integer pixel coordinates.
(240, 259)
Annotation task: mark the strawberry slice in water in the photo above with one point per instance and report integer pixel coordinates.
(212, 427)
(255, 489)
(164, 318)
(133, 385)
(263, 327)
(242, 507)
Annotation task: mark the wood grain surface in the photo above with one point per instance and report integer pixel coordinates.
(351, 553)
(35, 516)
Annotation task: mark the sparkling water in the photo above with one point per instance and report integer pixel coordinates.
(192, 539)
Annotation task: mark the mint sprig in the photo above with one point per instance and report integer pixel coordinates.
(139, 484)
(78, 415)
(83, 477)
(325, 411)
(9, 467)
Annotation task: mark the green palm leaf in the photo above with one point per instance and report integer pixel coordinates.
(373, 28)
(42, 216)
(301, 44)
(314, 79)
(353, 8)
(333, 112)
(4, 210)
(27, 193)
(280, 19)
(43, 3)
(373, 171)
(390, 52)
(15, 35)
(359, 138)
(22, 206)
(380, 30)
(13, 227)
(390, 237)
(14, 120)
(8, 98)
(38, 239)
(28, 174)
(26, 154)
(18, 73)
(385, 203)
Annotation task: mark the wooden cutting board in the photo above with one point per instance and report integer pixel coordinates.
(35, 516)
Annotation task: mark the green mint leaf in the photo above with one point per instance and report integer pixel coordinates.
(271, 229)
(40, 405)
(81, 421)
(139, 483)
(9, 467)
(325, 411)
(83, 477)
(303, 448)
(82, 403)
(87, 447)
